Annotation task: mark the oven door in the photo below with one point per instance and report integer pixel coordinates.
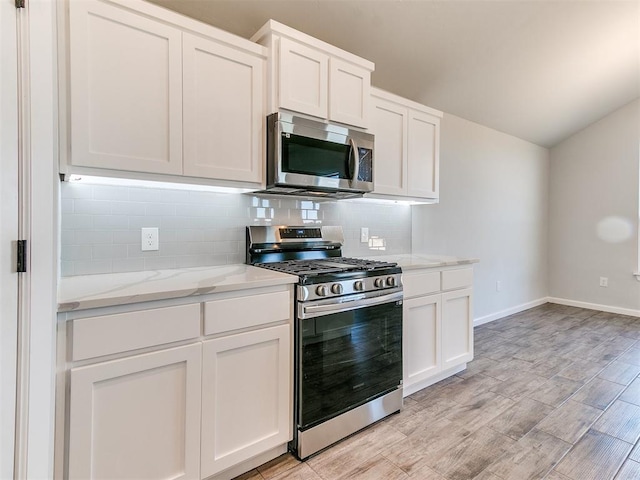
(347, 354)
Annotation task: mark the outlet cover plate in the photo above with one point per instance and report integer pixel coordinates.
(149, 239)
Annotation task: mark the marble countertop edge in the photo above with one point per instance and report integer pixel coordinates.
(104, 290)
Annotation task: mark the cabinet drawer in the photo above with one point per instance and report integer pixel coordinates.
(459, 278)
(423, 283)
(249, 311)
(122, 332)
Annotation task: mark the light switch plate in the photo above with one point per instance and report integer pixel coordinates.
(364, 235)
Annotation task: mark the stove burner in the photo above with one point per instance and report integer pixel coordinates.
(324, 266)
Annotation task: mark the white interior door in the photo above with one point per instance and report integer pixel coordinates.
(8, 234)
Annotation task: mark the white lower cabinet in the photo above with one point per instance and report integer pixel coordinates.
(246, 396)
(457, 328)
(437, 325)
(183, 392)
(421, 336)
(137, 417)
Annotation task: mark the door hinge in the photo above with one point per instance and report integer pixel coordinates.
(20, 3)
(21, 264)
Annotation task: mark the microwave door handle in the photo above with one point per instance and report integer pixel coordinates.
(354, 160)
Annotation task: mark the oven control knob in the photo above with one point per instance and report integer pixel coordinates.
(358, 286)
(391, 281)
(378, 282)
(336, 288)
(322, 291)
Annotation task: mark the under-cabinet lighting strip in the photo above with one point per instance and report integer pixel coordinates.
(131, 182)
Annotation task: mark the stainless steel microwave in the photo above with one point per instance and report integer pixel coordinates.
(312, 158)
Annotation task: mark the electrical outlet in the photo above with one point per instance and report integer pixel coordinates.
(604, 281)
(364, 235)
(150, 239)
(498, 286)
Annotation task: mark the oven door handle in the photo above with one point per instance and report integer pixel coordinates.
(310, 311)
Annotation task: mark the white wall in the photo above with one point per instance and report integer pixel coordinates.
(594, 214)
(493, 206)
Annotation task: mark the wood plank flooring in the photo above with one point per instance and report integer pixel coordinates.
(553, 393)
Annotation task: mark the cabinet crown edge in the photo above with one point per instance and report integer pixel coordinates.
(272, 27)
(186, 24)
(392, 97)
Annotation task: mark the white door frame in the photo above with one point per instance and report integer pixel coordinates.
(39, 220)
(8, 234)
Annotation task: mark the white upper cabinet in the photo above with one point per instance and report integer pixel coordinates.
(390, 127)
(126, 90)
(423, 154)
(223, 111)
(312, 77)
(304, 79)
(349, 93)
(155, 92)
(407, 147)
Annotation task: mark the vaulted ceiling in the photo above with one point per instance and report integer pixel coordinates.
(540, 70)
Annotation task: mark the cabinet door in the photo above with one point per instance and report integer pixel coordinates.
(349, 93)
(126, 90)
(224, 95)
(423, 154)
(246, 396)
(390, 129)
(421, 334)
(138, 417)
(304, 79)
(457, 328)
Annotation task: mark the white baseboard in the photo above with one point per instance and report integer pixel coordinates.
(510, 311)
(595, 306)
(413, 388)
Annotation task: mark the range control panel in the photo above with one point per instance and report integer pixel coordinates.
(300, 233)
(340, 288)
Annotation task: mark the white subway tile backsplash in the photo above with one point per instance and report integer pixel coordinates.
(76, 252)
(91, 207)
(160, 263)
(110, 222)
(190, 235)
(76, 222)
(92, 267)
(129, 208)
(66, 205)
(109, 192)
(99, 252)
(160, 209)
(101, 226)
(147, 195)
(126, 236)
(93, 237)
(76, 190)
(121, 265)
(137, 222)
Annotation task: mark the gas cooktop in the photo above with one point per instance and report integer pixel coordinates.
(326, 266)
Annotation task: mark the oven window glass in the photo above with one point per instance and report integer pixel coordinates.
(347, 359)
(319, 158)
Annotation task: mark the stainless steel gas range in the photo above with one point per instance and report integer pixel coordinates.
(347, 330)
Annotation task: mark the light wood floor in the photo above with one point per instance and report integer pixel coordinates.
(553, 393)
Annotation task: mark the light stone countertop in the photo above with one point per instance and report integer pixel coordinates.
(420, 261)
(94, 291)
